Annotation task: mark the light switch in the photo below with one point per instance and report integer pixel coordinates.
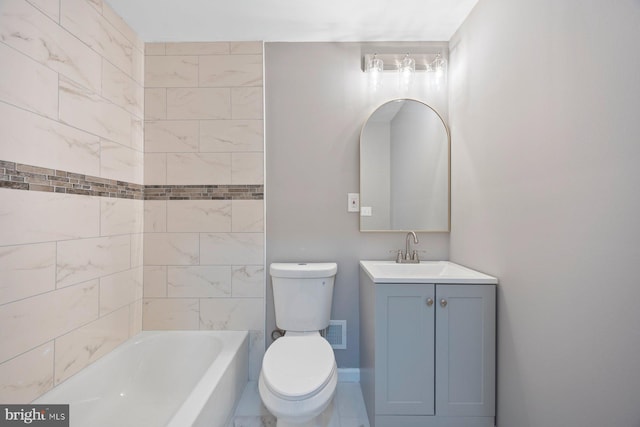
(365, 211)
(353, 199)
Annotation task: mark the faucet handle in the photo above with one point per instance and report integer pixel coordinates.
(399, 257)
(415, 256)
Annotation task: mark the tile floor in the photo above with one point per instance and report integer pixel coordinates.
(347, 409)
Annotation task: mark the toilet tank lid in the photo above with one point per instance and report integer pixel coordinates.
(303, 269)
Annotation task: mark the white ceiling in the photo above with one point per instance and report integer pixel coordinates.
(294, 20)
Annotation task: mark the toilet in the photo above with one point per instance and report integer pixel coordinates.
(299, 373)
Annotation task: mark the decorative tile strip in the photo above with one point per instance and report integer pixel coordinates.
(19, 176)
(204, 192)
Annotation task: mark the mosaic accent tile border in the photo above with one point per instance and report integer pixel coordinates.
(19, 176)
(203, 192)
(34, 178)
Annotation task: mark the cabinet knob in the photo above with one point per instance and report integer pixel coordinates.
(429, 302)
(443, 303)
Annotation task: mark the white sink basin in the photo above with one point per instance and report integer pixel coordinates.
(424, 272)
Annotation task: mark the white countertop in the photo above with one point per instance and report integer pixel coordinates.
(424, 272)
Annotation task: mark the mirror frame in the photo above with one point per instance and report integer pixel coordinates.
(448, 229)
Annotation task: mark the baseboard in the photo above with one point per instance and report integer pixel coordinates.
(348, 375)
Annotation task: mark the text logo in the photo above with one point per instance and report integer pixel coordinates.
(34, 415)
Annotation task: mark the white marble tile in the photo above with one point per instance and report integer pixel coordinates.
(251, 412)
(138, 65)
(50, 7)
(137, 248)
(266, 420)
(354, 422)
(154, 48)
(122, 90)
(85, 110)
(35, 140)
(67, 217)
(96, 4)
(27, 83)
(28, 30)
(198, 168)
(44, 317)
(230, 70)
(197, 48)
(232, 248)
(199, 282)
(171, 249)
(137, 133)
(350, 401)
(121, 25)
(170, 314)
(250, 403)
(155, 281)
(88, 24)
(121, 216)
(199, 215)
(85, 345)
(248, 215)
(27, 376)
(244, 48)
(171, 71)
(121, 163)
(155, 169)
(234, 314)
(155, 216)
(200, 103)
(155, 103)
(135, 318)
(256, 353)
(85, 259)
(178, 136)
(246, 103)
(247, 168)
(120, 289)
(231, 135)
(26, 270)
(247, 281)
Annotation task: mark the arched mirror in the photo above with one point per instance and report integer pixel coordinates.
(404, 169)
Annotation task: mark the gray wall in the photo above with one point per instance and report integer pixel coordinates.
(316, 101)
(544, 99)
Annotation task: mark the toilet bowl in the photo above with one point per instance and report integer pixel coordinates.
(299, 374)
(298, 379)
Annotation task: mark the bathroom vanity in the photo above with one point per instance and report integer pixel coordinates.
(427, 344)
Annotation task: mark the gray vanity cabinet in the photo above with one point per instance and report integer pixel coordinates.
(404, 350)
(427, 354)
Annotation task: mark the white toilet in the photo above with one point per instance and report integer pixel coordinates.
(299, 373)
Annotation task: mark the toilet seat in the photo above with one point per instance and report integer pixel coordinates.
(298, 367)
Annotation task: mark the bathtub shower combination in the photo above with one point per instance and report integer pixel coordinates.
(160, 378)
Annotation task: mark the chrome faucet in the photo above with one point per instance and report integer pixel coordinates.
(407, 257)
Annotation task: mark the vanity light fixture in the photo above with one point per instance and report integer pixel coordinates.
(405, 63)
(439, 65)
(374, 65)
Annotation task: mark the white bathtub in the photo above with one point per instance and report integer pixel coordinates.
(158, 379)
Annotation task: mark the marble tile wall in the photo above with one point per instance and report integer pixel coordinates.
(203, 258)
(71, 265)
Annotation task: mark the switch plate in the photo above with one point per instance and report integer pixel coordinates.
(365, 211)
(353, 200)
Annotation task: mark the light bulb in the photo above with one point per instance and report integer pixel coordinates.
(407, 65)
(439, 65)
(374, 65)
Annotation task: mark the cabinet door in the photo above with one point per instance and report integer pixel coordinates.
(404, 349)
(465, 350)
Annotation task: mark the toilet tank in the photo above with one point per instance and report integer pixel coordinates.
(302, 295)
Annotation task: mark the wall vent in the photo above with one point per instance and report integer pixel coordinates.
(336, 334)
